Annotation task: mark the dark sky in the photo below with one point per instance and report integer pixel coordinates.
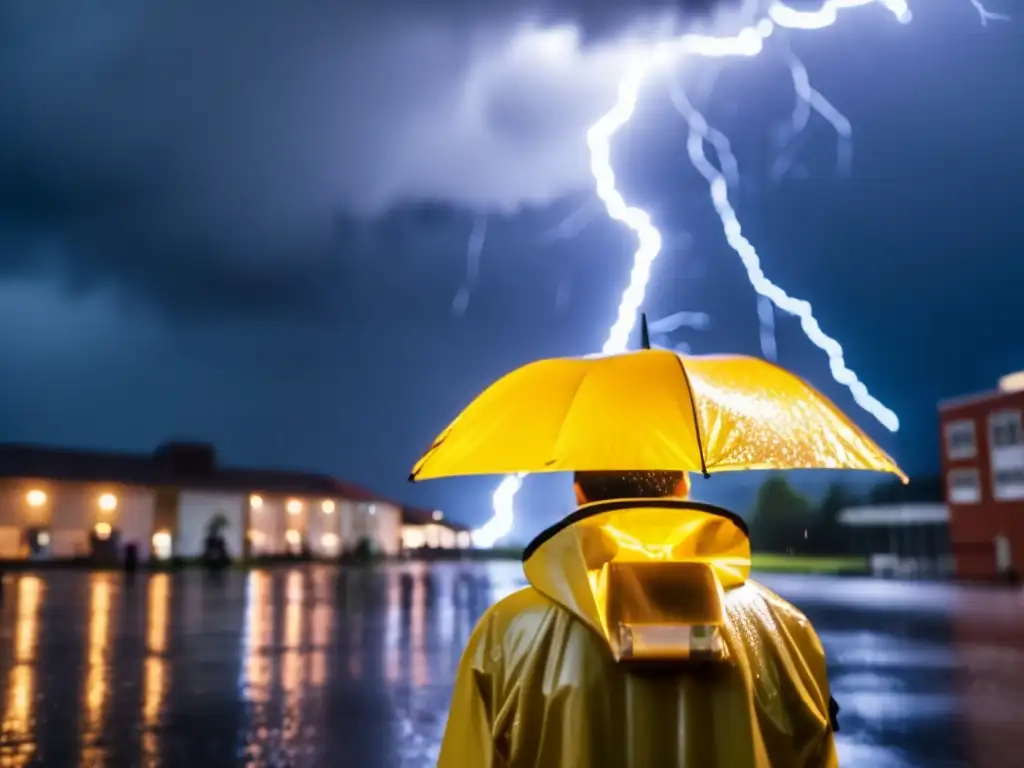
(247, 223)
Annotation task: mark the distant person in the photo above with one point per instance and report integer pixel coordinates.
(131, 558)
(641, 643)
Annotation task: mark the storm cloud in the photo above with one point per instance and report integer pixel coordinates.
(237, 146)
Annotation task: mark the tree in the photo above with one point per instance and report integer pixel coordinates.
(826, 535)
(781, 518)
(922, 489)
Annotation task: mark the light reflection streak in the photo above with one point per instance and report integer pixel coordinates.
(355, 599)
(321, 628)
(19, 711)
(155, 664)
(96, 682)
(418, 620)
(258, 635)
(293, 663)
(392, 626)
(446, 609)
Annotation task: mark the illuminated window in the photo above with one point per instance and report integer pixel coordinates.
(329, 541)
(963, 486)
(256, 501)
(438, 514)
(102, 531)
(1008, 484)
(412, 537)
(35, 498)
(43, 539)
(447, 538)
(371, 508)
(161, 545)
(107, 502)
(1004, 429)
(293, 537)
(960, 440)
(294, 506)
(327, 506)
(463, 540)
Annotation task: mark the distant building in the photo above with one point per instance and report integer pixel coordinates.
(57, 503)
(907, 539)
(983, 467)
(430, 530)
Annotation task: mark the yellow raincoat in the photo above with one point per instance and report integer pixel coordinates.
(641, 643)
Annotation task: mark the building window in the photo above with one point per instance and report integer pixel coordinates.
(1004, 429)
(162, 545)
(960, 440)
(963, 486)
(1008, 484)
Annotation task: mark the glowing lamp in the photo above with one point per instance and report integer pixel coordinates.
(162, 544)
(35, 498)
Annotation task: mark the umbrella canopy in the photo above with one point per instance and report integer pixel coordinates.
(650, 410)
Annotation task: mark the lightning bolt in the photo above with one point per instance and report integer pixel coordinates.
(474, 247)
(747, 43)
(765, 288)
(700, 134)
(986, 15)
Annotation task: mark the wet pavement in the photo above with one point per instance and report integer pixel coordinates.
(316, 666)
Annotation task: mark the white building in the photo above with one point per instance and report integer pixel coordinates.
(908, 539)
(430, 530)
(64, 504)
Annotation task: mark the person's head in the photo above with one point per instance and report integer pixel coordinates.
(652, 484)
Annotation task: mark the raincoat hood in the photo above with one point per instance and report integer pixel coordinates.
(647, 575)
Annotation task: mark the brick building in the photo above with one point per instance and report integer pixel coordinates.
(983, 466)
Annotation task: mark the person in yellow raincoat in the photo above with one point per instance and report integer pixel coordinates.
(641, 643)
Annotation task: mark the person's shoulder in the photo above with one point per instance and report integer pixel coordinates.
(795, 624)
(508, 631)
(522, 610)
(782, 609)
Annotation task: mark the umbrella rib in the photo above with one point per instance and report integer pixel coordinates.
(552, 460)
(693, 411)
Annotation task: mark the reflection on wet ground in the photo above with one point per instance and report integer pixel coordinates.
(319, 666)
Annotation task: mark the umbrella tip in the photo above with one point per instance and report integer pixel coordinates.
(645, 336)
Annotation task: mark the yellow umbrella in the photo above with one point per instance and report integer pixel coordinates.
(650, 409)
